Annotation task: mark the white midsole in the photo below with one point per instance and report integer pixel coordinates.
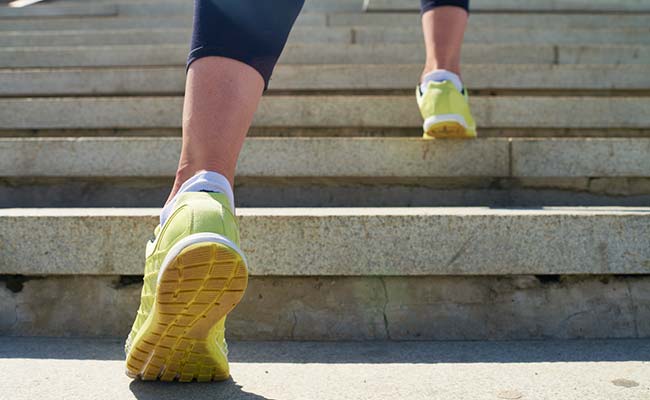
(444, 118)
(209, 237)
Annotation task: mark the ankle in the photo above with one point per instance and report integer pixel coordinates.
(437, 66)
(183, 174)
(441, 75)
(202, 180)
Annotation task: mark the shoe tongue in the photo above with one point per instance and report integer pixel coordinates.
(156, 231)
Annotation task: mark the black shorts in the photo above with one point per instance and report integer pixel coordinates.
(254, 31)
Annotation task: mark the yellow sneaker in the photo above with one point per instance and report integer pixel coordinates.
(194, 275)
(445, 111)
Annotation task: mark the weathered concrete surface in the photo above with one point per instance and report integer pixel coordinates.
(139, 55)
(576, 158)
(40, 11)
(335, 111)
(568, 370)
(171, 80)
(126, 22)
(179, 7)
(354, 308)
(500, 35)
(584, 6)
(261, 157)
(324, 53)
(340, 34)
(505, 20)
(523, 20)
(405, 20)
(336, 157)
(347, 241)
(343, 192)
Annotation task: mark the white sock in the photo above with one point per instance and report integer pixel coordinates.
(204, 180)
(440, 75)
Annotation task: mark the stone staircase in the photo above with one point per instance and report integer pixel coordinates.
(355, 228)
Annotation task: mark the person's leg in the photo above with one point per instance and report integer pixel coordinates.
(235, 46)
(443, 27)
(441, 95)
(221, 96)
(195, 271)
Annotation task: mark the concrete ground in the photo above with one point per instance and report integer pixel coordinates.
(46, 368)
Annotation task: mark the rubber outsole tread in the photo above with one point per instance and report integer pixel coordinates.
(448, 130)
(196, 290)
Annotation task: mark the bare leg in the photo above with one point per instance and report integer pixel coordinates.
(443, 29)
(221, 96)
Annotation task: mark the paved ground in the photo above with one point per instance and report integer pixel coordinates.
(36, 368)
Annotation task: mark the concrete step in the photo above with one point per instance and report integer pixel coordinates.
(41, 11)
(147, 8)
(571, 370)
(323, 53)
(336, 157)
(138, 36)
(369, 172)
(522, 307)
(336, 274)
(501, 192)
(392, 20)
(407, 20)
(572, 79)
(582, 6)
(347, 241)
(126, 22)
(174, 7)
(327, 112)
(350, 35)
(520, 20)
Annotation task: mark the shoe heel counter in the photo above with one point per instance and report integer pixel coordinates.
(211, 213)
(198, 212)
(442, 98)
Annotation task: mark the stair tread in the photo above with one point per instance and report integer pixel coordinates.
(326, 53)
(348, 241)
(349, 78)
(583, 6)
(336, 157)
(336, 34)
(329, 111)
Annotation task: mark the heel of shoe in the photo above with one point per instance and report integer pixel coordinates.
(198, 285)
(447, 126)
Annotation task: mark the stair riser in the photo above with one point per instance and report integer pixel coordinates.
(337, 158)
(346, 241)
(342, 35)
(144, 9)
(567, 79)
(524, 20)
(444, 192)
(175, 55)
(328, 112)
(565, 6)
(503, 20)
(361, 308)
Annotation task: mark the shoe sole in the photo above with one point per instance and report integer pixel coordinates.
(448, 130)
(196, 289)
(448, 126)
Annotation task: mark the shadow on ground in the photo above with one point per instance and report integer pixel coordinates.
(355, 352)
(196, 391)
